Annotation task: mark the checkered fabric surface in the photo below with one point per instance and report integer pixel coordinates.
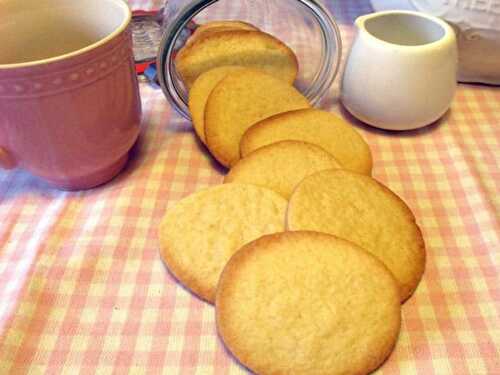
(83, 290)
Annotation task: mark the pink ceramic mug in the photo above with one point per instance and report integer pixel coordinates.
(69, 99)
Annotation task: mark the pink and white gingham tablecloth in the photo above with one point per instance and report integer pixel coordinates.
(83, 290)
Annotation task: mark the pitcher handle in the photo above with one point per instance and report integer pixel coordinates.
(6, 160)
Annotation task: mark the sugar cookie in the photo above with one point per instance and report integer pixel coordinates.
(239, 101)
(198, 95)
(217, 26)
(324, 129)
(307, 303)
(360, 209)
(281, 166)
(199, 234)
(253, 49)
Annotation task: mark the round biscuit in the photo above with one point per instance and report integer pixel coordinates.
(202, 231)
(253, 49)
(324, 129)
(358, 208)
(198, 95)
(307, 303)
(281, 166)
(239, 101)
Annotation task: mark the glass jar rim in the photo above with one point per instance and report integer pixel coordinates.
(331, 51)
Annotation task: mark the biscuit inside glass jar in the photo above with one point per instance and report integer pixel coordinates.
(305, 26)
(235, 47)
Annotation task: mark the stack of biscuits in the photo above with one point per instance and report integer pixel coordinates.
(306, 257)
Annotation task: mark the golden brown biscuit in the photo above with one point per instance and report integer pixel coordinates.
(239, 101)
(198, 95)
(253, 49)
(218, 26)
(281, 166)
(304, 303)
(324, 129)
(199, 234)
(360, 209)
(237, 24)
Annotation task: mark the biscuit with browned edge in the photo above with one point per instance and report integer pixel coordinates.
(218, 26)
(324, 129)
(362, 210)
(201, 232)
(237, 24)
(307, 303)
(281, 166)
(198, 95)
(239, 101)
(253, 49)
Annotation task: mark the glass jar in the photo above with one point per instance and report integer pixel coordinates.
(304, 25)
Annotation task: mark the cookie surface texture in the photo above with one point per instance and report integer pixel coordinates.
(253, 49)
(201, 232)
(307, 303)
(239, 101)
(281, 166)
(198, 95)
(360, 209)
(324, 129)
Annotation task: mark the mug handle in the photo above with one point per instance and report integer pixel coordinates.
(6, 160)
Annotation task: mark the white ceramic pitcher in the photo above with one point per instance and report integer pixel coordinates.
(401, 71)
(477, 23)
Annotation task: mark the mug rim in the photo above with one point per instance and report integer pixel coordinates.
(448, 32)
(126, 21)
